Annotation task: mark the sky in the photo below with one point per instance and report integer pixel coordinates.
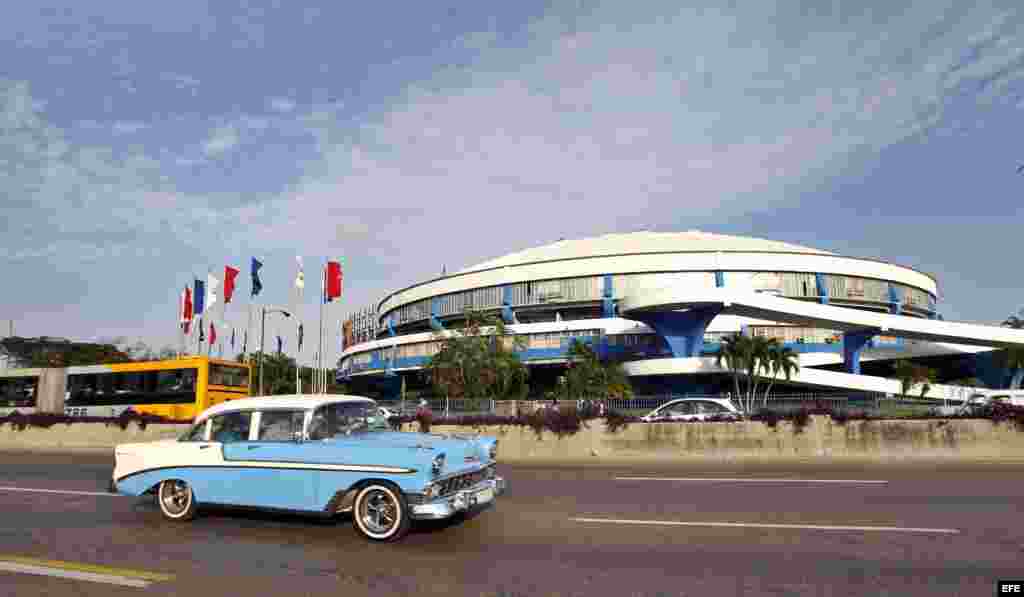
(143, 145)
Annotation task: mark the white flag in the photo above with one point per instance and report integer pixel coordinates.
(300, 279)
(211, 291)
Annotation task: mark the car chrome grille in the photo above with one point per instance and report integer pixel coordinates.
(460, 482)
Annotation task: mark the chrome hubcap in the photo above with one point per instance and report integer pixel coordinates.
(379, 512)
(175, 496)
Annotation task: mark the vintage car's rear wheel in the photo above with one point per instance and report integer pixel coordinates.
(176, 499)
(380, 512)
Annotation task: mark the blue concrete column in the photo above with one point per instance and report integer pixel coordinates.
(719, 279)
(822, 283)
(607, 298)
(853, 346)
(895, 299)
(435, 322)
(682, 330)
(506, 303)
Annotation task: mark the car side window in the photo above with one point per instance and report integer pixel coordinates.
(280, 425)
(195, 434)
(710, 408)
(230, 427)
(683, 408)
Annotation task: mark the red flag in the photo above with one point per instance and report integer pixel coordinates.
(333, 280)
(213, 334)
(229, 282)
(186, 309)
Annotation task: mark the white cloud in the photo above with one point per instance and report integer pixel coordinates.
(283, 105)
(631, 118)
(222, 140)
(128, 127)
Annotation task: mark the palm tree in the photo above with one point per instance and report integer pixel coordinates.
(781, 360)
(758, 364)
(1013, 358)
(733, 353)
(911, 374)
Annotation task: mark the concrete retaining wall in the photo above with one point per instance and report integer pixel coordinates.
(83, 436)
(821, 439)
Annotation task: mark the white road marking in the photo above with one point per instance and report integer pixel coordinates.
(755, 480)
(60, 491)
(109, 579)
(754, 525)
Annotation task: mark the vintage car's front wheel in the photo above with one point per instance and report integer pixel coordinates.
(381, 513)
(176, 499)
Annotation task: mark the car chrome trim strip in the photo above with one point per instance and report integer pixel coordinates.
(356, 468)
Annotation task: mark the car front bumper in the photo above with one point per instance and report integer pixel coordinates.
(482, 494)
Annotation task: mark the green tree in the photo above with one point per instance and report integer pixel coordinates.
(1012, 359)
(587, 377)
(478, 360)
(911, 374)
(42, 352)
(750, 360)
(782, 361)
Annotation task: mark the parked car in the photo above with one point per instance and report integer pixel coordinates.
(316, 454)
(693, 409)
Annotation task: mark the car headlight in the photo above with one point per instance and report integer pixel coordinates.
(494, 450)
(437, 465)
(430, 491)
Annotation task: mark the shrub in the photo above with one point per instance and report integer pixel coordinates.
(20, 421)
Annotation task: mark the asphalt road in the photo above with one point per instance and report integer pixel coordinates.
(559, 531)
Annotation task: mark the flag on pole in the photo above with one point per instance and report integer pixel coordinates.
(186, 309)
(230, 274)
(211, 290)
(333, 275)
(201, 336)
(213, 333)
(279, 344)
(245, 341)
(323, 287)
(257, 286)
(200, 297)
(232, 338)
(300, 337)
(300, 278)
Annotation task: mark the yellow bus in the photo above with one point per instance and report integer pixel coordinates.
(177, 389)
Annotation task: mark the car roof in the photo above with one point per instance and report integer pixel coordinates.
(715, 400)
(300, 401)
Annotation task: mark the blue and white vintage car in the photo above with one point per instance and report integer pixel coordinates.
(323, 454)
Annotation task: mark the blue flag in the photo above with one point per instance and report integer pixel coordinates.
(279, 346)
(257, 286)
(199, 297)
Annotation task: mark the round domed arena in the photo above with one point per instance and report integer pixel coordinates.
(659, 303)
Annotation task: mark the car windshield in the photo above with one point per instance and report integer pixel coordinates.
(346, 418)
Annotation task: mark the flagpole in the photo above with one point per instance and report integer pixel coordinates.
(320, 336)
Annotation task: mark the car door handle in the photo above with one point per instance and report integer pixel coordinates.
(252, 447)
(205, 447)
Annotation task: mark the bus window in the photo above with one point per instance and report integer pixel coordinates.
(81, 390)
(175, 386)
(18, 391)
(224, 375)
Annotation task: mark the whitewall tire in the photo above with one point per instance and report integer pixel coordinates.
(176, 499)
(381, 513)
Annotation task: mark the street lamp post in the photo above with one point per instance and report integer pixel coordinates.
(263, 324)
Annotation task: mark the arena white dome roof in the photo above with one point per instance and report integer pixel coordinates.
(691, 241)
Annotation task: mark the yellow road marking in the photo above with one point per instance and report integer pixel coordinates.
(91, 568)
